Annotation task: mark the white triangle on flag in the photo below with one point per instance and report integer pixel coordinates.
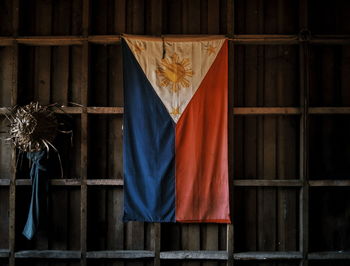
(175, 67)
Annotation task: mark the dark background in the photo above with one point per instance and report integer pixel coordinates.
(289, 130)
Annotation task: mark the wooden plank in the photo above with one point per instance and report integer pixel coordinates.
(120, 254)
(7, 41)
(267, 183)
(48, 254)
(105, 110)
(6, 55)
(329, 255)
(329, 110)
(60, 75)
(84, 131)
(14, 96)
(105, 182)
(155, 242)
(194, 255)
(4, 253)
(5, 182)
(244, 39)
(329, 183)
(4, 221)
(267, 111)
(277, 255)
(53, 182)
(236, 110)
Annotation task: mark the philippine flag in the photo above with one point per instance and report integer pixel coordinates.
(175, 129)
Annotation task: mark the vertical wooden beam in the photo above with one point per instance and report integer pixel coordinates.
(304, 102)
(84, 132)
(155, 240)
(230, 227)
(14, 90)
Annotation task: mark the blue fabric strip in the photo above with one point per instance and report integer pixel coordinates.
(149, 149)
(38, 202)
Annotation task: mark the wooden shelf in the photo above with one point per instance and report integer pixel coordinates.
(235, 110)
(194, 255)
(120, 254)
(254, 39)
(329, 255)
(266, 183)
(48, 254)
(4, 253)
(261, 255)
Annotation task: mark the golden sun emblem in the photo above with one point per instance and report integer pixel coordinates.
(174, 72)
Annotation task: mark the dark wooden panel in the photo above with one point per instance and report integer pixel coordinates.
(5, 150)
(262, 227)
(60, 230)
(6, 13)
(266, 16)
(42, 17)
(329, 147)
(280, 148)
(106, 82)
(105, 147)
(329, 18)
(330, 76)
(194, 17)
(49, 75)
(105, 226)
(329, 219)
(6, 54)
(277, 85)
(4, 214)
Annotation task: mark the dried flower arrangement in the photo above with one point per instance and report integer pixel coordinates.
(33, 127)
(32, 130)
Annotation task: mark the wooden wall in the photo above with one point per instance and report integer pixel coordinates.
(289, 131)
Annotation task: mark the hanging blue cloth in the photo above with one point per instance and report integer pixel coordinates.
(38, 202)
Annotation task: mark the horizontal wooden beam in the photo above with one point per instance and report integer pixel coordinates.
(266, 183)
(329, 183)
(105, 110)
(50, 40)
(194, 255)
(5, 182)
(235, 110)
(330, 39)
(275, 255)
(54, 182)
(329, 110)
(262, 39)
(246, 39)
(176, 255)
(329, 255)
(267, 111)
(4, 253)
(105, 182)
(120, 254)
(48, 254)
(236, 182)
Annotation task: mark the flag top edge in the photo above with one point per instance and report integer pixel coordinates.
(175, 38)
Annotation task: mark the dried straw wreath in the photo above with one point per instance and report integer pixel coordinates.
(34, 127)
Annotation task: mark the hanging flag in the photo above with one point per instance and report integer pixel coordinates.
(175, 129)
